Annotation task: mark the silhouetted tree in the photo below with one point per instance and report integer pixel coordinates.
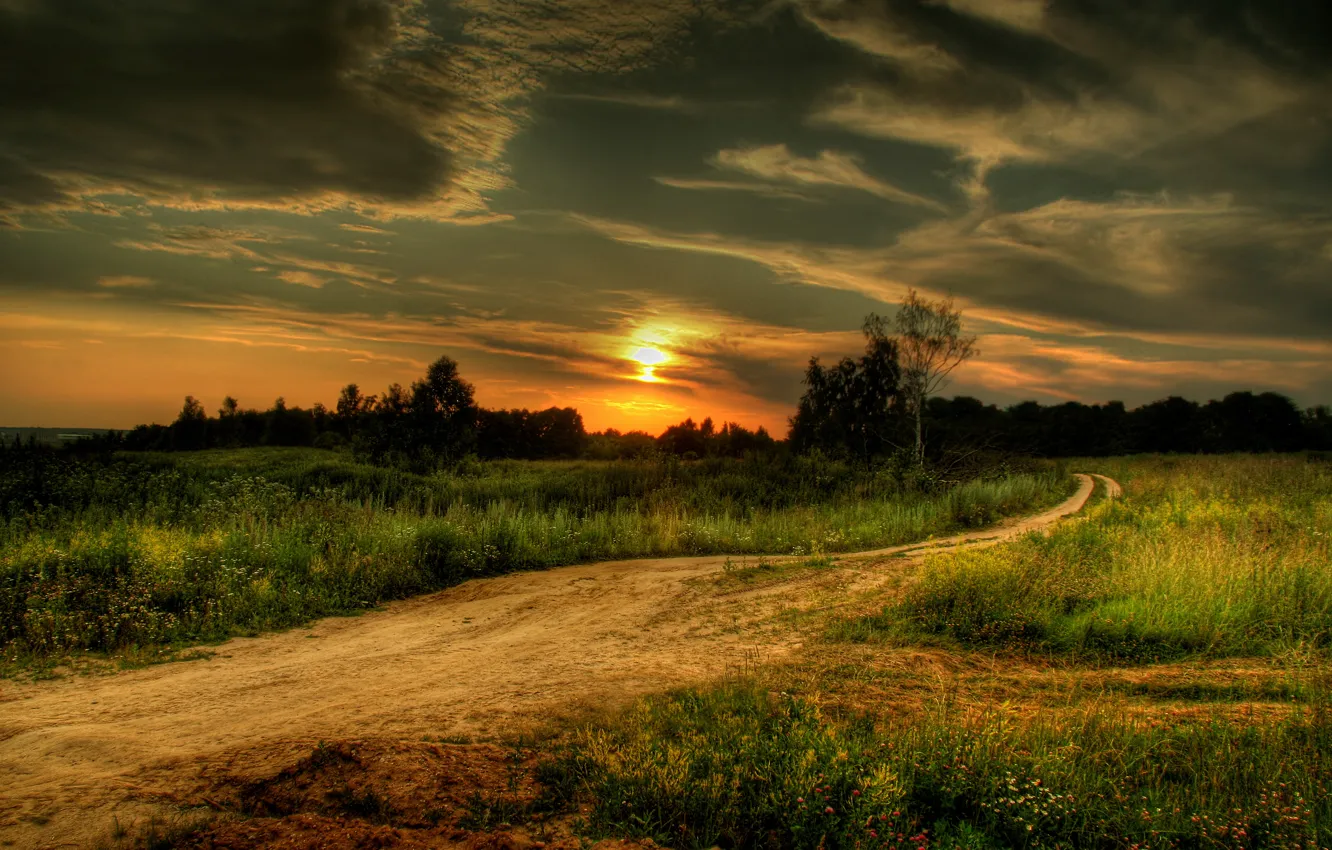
(1172, 424)
(557, 432)
(613, 445)
(382, 434)
(1318, 428)
(190, 430)
(225, 431)
(1244, 422)
(737, 441)
(148, 438)
(351, 407)
(550, 433)
(685, 439)
(288, 426)
(321, 417)
(501, 433)
(854, 406)
(442, 412)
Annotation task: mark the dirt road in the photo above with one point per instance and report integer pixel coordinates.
(473, 660)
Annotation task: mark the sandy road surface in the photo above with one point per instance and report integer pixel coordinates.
(475, 659)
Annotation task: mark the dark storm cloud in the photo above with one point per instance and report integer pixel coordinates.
(249, 99)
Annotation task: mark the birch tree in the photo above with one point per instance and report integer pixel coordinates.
(930, 345)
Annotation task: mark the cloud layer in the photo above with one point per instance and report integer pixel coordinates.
(1128, 199)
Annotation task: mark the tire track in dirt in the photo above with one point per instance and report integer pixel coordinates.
(475, 660)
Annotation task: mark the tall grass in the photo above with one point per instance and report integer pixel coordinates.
(739, 767)
(1204, 557)
(104, 555)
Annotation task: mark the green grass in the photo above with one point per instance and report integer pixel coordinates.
(135, 556)
(736, 766)
(1204, 557)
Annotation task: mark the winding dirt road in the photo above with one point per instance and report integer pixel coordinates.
(474, 660)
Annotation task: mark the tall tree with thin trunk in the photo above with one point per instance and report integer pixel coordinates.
(930, 345)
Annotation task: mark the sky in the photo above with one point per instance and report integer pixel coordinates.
(656, 209)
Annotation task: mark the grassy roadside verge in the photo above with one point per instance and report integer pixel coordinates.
(135, 560)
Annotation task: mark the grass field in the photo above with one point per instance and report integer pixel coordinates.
(137, 555)
(1209, 557)
(740, 766)
(1153, 674)
(1020, 696)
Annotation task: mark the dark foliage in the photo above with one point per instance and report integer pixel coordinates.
(552, 433)
(854, 407)
(1240, 422)
(690, 440)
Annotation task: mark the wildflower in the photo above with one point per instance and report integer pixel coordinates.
(828, 811)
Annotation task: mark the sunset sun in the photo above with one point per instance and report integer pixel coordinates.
(649, 357)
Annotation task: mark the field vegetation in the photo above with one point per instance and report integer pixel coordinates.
(1210, 557)
(1152, 674)
(138, 554)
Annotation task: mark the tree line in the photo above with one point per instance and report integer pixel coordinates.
(882, 404)
(433, 423)
(875, 407)
(1239, 422)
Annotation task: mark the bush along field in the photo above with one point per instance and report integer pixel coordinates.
(138, 555)
(1154, 674)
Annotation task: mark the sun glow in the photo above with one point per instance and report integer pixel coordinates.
(649, 357)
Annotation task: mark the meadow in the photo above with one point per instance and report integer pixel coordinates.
(1210, 557)
(134, 556)
(1154, 673)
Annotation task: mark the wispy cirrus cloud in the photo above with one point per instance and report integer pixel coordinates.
(1022, 366)
(828, 169)
(124, 281)
(767, 190)
(1096, 89)
(1027, 15)
(637, 100)
(213, 243)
